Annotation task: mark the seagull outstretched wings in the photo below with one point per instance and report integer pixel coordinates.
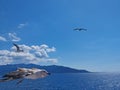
(80, 29)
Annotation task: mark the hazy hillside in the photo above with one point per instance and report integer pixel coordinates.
(51, 68)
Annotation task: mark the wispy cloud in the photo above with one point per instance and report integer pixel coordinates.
(2, 38)
(13, 37)
(32, 54)
(22, 25)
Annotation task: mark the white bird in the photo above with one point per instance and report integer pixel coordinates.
(25, 73)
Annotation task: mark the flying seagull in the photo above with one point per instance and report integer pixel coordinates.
(25, 73)
(18, 48)
(80, 29)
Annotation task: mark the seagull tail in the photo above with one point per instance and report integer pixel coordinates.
(5, 79)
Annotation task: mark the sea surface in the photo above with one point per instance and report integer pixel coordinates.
(68, 81)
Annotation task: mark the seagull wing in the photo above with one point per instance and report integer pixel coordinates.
(84, 29)
(15, 74)
(18, 48)
(76, 29)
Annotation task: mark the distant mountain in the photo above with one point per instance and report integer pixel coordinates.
(52, 68)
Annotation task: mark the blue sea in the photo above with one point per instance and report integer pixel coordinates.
(68, 81)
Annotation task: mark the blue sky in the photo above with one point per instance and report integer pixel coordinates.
(51, 22)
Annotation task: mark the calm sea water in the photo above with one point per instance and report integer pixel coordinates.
(69, 81)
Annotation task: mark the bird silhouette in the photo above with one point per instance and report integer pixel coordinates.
(80, 29)
(18, 48)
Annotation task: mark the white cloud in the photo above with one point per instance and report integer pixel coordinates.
(2, 38)
(13, 37)
(32, 54)
(42, 50)
(22, 25)
(5, 60)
